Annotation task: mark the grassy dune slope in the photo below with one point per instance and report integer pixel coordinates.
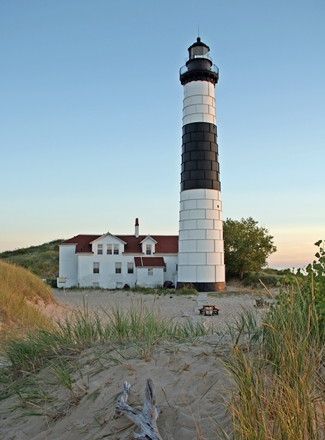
(20, 290)
(42, 260)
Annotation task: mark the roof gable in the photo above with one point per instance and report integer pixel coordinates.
(148, 238)
(109, 235)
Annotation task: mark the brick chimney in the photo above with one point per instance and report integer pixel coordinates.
(136, 232)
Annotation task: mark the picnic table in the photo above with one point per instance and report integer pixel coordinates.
(209, 310)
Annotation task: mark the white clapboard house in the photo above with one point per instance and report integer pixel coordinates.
(113, 261)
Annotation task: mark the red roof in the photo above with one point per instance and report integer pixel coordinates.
(149, 262)
(166, 244)
(82, 242)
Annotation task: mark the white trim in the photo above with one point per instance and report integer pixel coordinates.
(106, 235)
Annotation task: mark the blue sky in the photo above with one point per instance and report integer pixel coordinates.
(91, 116)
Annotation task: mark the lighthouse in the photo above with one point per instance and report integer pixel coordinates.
(201, 246)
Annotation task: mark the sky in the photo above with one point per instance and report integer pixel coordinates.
(91, 116)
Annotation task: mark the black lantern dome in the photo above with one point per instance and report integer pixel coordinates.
(199, 65)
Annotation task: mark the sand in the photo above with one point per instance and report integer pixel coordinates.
(192, 384)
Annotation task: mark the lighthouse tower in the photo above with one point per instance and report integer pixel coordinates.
(201, 249)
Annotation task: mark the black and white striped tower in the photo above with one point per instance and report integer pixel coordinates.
(201, 249)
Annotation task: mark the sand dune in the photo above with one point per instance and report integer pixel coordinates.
(192, 386)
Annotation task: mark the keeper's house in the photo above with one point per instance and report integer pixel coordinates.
(112, 261)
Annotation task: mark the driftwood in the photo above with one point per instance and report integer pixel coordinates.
(145, 419)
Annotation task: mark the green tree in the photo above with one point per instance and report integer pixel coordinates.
(247, 246)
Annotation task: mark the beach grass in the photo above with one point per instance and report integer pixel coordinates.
(20, 291)
(139, 327)
(42, 260)
(278, 374)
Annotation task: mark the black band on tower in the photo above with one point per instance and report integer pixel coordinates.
(200, 166)
(204, 287)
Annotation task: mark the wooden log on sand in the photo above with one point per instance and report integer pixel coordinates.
(145, 419)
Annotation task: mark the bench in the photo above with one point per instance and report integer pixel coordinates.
(209, 310)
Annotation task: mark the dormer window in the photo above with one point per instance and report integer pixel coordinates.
(100, 249)
(116, 249)
(148, 245)
(109, 249)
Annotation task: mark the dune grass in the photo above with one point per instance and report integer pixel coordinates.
(139, 327)
(42, 260)
(20, 290)
(278, 374)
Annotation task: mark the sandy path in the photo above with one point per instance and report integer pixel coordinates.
(170, 306)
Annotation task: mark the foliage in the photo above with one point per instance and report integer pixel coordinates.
(19, 290)
(254, 279)
(187, 289)
(316, 280)
(310, 282)
(270, 271)
(42, 260)
(51, 282)
(247, 246)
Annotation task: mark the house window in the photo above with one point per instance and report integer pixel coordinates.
(118, 267)
(176, 267)
(148, 249)
(130, 267)
(100, 249)
(165, 268)
(95, 284)
(116, 249)
(109, 249)
(95, 267)
(150, 270)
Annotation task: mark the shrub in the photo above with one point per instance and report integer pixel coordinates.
(188, 289)
(253, 279)
(51, 282)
